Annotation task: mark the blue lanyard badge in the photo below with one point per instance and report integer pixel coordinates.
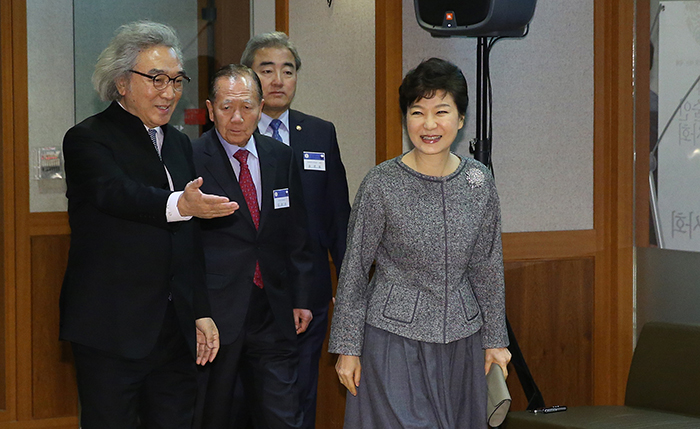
(281, 198)
(314, 161)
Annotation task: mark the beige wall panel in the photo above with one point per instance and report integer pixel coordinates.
(336, 80)
(542, 112)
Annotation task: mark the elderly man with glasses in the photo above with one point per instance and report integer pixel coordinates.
(134, 303)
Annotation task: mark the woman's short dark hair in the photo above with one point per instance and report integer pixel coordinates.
(431, 76)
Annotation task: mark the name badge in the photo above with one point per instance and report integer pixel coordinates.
(314, 161)
(281, 198)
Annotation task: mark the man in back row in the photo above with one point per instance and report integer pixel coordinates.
(276, 61)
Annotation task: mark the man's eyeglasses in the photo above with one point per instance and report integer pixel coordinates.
(161, 80)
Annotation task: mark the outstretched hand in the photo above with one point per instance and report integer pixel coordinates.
(193, 202)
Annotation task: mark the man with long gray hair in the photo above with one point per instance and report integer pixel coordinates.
(134, 303)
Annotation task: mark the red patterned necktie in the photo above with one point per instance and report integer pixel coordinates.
(251, 199)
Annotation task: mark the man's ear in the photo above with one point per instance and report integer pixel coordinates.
(262, 104)
(122, 85)
(210, 108)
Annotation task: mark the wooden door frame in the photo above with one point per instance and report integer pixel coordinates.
(7, 129)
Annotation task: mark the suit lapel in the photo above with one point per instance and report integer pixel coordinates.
(219, 167)
(174, 160)
(139, 142)
(296, 129)
(268, 166)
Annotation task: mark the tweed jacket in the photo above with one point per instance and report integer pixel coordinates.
(436, 242)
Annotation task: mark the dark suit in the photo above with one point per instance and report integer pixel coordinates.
(328, 210)
(326, 198)
(125, 259)
(256, 326)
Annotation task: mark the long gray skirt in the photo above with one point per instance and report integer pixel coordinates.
(413, 384)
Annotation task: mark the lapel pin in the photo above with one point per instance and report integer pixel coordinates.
(298, 127)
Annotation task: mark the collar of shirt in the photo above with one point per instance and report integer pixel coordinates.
(265, 128)
(232, 148)
(160, 135)
(253, 163)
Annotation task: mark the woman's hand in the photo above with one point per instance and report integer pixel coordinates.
(500, 356)
(348, 369)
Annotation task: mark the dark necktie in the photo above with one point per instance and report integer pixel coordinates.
(245, 180)
(154, 140)
(275, 124)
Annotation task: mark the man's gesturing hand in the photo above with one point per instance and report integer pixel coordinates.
(193, 202)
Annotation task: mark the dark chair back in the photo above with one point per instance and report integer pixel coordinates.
(665, 370)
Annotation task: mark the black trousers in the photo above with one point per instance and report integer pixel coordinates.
(155, 392)
(310, 347)
(266, 362)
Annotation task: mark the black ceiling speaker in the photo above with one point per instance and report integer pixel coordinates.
(475, 18)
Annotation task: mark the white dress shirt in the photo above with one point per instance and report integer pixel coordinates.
(253, 162)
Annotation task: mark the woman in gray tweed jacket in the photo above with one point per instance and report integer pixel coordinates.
(427, 327)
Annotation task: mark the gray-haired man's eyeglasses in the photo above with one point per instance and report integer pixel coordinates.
(161, 80)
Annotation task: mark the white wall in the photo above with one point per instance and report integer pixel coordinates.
(542, 112)
(51, 90)
(336, 80)
(262, 16)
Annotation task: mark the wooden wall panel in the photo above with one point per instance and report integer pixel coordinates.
(22, 248)
(58, 423)
(5, 210)
(232, 29)
(330, 407)
(54, 392)
(282, 16)
(550, 308)
(613, 189)
(388, 74)
(7, 119)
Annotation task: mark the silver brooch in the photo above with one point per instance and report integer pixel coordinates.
(475, 177)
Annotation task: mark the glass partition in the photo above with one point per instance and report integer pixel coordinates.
(674, 173)
(668, 169)
(95, 22)
(60, 62)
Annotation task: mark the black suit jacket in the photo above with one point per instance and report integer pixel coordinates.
(125, 258)
(232, 245)
(326, 198)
